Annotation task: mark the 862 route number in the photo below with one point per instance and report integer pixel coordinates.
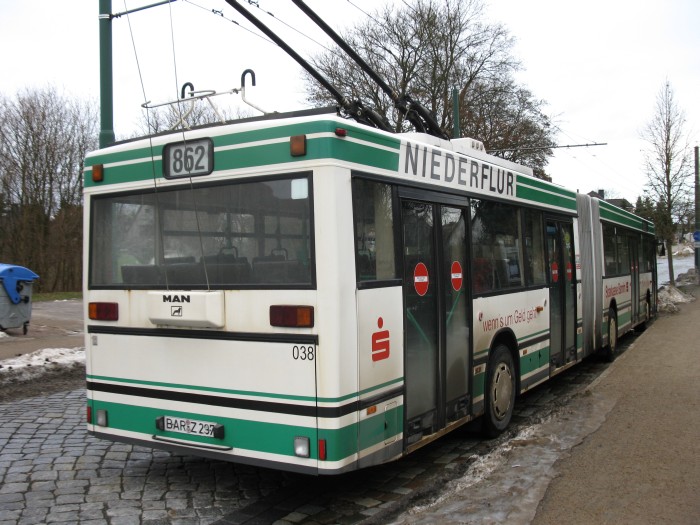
(303, 353)
(188, 159)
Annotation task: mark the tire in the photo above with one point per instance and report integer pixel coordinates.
(610, 351)
(647, 317)
(499, 392)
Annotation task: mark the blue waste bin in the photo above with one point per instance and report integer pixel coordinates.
(15, 296)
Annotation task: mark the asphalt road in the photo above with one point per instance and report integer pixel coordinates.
(53, 324)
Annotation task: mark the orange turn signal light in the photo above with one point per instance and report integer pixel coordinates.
(98, 173)
(297, 145)
(292, 316)
(103, 311)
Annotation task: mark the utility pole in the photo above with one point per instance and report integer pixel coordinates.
(106, 76)
(696, 235)
(106, 82)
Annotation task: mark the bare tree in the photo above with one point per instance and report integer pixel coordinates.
(425, 49)
(668, 165)
(510, 122)
(44, 138)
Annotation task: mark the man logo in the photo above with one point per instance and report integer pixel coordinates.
(176, 298)
(176, 311)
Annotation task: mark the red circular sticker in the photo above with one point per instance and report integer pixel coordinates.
(420, 279)
(456, 275)
(568, 271)
(555, 272)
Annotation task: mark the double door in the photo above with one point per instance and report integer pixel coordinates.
(437, 313)
(562, 291)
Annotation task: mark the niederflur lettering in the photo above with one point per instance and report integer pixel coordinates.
(421, 161)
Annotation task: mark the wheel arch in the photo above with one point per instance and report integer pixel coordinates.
(506, 337)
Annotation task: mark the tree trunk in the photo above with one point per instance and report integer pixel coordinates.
(669, 251)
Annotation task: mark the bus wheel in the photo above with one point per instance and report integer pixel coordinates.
(611, 350)
(499, 394)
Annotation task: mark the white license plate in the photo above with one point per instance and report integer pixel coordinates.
(189, 426)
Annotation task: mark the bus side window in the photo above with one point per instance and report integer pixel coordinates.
(496, 253)
(534, 249)
(609, 250)
(375, 257)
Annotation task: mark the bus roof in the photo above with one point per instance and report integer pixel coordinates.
(457, 166)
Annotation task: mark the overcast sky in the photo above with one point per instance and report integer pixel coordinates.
(599, 64)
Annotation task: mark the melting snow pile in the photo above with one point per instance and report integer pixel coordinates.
(670, 296)
(30, 366)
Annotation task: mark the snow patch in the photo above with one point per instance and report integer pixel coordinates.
(30, 366)
(684, 250)
(670, 296)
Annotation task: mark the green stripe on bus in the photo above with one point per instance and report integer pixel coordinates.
(623, 217)
(544, 197)
(533, 360)
(260, 155)
(542, 185)
(255, 436)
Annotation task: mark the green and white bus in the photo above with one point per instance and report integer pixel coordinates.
(311, 294)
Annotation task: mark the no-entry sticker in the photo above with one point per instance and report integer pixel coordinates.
(456, 276)
(420, 279)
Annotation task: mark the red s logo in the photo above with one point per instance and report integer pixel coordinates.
(380, 342)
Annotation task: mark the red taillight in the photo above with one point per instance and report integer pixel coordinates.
(103, 311)
(89, 415)
(322, 449)
(341, 132)
(292, 316)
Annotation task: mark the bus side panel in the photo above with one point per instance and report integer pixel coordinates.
(213, 381)
(617, 295)
(380, 346)
(522, 316)
(336, 321)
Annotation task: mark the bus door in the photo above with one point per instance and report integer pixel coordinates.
(562, 292)
(634, 276)
(437, 341)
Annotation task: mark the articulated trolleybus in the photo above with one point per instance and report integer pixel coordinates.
(308, 293)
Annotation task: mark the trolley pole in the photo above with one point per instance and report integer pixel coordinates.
(106, 83)
(696, 234)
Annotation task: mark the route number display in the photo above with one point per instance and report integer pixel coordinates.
(190, 158)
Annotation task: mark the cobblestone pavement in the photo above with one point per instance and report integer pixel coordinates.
(51, 471)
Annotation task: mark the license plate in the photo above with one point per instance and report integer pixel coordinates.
(190, 426)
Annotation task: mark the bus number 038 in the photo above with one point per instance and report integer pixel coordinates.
(303, 353)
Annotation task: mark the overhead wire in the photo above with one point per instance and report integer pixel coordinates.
(257, 4)
(588, 160)
(220, 14)
(184, 139)
(366, 13)
(148, 125)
